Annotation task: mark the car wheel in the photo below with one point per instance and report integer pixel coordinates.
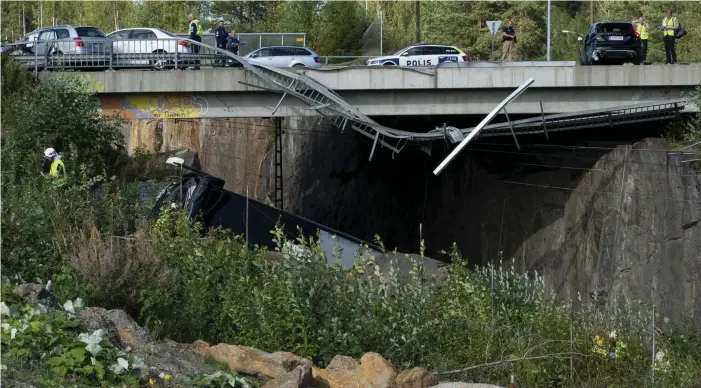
(298, 65)
(389, 64)
(159, 64)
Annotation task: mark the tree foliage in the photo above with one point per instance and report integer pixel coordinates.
(337, 27)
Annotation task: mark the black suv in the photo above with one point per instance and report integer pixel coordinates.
(611, 43)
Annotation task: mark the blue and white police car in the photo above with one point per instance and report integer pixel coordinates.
(420, 55)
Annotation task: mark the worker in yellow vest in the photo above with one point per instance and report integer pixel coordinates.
(196, 35)
(53, 166)
(642, 28)
(669, 27)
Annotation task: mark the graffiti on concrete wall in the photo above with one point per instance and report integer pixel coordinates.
(155, 106)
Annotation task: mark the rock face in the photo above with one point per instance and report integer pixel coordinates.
(603, 215)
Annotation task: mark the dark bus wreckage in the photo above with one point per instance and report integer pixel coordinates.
(205, 199)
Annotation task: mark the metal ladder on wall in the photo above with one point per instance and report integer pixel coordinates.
(278, 163)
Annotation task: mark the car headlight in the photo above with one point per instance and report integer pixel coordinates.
(374, 62)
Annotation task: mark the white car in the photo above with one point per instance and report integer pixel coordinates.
(284, 56)
(146, 41)
(420, 55)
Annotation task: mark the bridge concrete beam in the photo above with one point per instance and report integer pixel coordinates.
(396, 78)
(380, 103)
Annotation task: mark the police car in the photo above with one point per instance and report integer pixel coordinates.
(420, 55)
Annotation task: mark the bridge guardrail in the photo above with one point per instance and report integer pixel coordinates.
(349, 57)
(107, 53)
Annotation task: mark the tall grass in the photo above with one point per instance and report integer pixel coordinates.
(483, 324)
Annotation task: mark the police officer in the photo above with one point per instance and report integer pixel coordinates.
(669, 27)
(642, 28)
(220, 35)
(196, 35)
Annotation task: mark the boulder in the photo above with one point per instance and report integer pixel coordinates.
(373, 372)
(91, 320)
(465, 385)
(37, 293)
(300, 377)
(252, 361)
(340, 363)
(168, 357)
(128, 331)
(416, 378)
(320, 377)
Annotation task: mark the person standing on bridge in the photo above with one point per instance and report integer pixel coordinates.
(669, 27)
(220, 35)
(507, 47)
(642, 28)
(196, 35)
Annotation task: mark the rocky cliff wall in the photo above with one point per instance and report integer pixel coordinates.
(593, 216)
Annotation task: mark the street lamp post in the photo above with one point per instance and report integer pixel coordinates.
(548, 55)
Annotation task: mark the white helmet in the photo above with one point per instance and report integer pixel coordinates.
(50, 152)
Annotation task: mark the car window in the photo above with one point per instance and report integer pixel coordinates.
(414, 51)
(164, 32)
(625, 28)
(47, 35)
(283, 52)
(62, 34)
(143, 35)
(301, 51)
(120, 35)
(432, 50)
(266, 52)
(89, 32)
(449, 50)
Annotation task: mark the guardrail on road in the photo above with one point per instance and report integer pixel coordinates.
(106, 53)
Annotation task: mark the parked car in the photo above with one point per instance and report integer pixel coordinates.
(67, 39)
(610, 43)
(421, 55)
(152, 43)
(284, 56)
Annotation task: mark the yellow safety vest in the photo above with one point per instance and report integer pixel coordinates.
(196, 22)
(669, 23)
(53, 172)
(643, 31)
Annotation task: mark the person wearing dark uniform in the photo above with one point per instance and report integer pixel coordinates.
(507, 47)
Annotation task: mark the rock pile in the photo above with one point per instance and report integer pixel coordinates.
(276, 370)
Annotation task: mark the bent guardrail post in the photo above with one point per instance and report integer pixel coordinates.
(481, 125)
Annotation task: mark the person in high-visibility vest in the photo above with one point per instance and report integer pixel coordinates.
(53, 166)
(642, 28)
(196, 35)
(669, 27)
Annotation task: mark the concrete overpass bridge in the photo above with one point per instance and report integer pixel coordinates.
(384, 91)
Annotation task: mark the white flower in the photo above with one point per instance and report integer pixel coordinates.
(4, 310)
(120, 366)
(137, 363)
(13, 332)
(68, 306)
(659, 356)
(93, 341)
(613, 334)
(5, 326)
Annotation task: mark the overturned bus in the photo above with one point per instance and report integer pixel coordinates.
(205, 199)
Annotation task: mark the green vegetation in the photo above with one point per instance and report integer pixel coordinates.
(99, 248)
(337, 27)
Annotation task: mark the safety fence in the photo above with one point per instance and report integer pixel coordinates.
(253, 41)
(107, 53)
